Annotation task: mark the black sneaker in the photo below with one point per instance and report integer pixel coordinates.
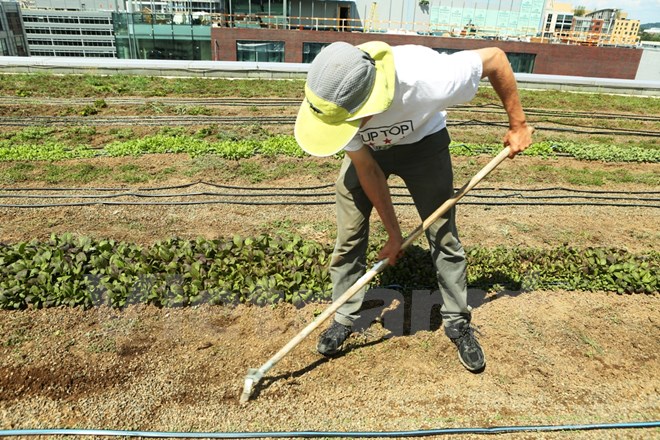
(332, 338)
(470, 352)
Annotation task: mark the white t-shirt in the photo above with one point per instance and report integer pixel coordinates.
(427, 83)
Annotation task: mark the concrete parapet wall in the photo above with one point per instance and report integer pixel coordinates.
(649, 66)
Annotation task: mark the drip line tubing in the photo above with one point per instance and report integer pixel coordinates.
(193, 194)
(308, 203)
(214, 101)
(318, 434)
(311, 188)
(270, 120)
(560, 188)
(185, 185)
(610, 131)
(296, 102)
(324, 194)
(272, 188)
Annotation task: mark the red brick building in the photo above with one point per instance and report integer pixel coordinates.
(297, 46)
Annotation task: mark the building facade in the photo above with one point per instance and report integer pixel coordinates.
(602, 27)
(438, 17)
(609, 16)
(492, 18)
(172, 7)
(625, 32)
(296, 46)
(75, 5)
(163, 36)
(558, 23)
(621, 30)
(13, 40)
(61, 33)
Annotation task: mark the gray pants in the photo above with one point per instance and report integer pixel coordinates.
(426, 169)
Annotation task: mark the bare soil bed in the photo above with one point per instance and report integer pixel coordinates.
(631, 228)
(554, 357)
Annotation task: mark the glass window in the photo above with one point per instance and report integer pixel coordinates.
(271, 51)
(241, 7)
(521, 62)
(258, 7)
(14, 22)
(310, 50)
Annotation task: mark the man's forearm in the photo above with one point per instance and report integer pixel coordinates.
(374, 184)
(498, 70)
(508, 93)
(501, 77)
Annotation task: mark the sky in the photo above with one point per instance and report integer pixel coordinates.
(646, 11)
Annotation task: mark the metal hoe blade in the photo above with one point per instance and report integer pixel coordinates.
(253, 377)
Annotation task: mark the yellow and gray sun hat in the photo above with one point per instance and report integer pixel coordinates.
(345, 83)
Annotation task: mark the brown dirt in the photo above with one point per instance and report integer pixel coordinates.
(553, 357)
(634, 229)
(183, 369)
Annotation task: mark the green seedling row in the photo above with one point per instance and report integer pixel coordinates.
(20, 147)
(68, 270)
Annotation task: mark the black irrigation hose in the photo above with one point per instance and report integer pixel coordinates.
(195, 194)
(298, 192)
(145, 120)
(309, 188)
(476, 122)
(623, 130)
(308, 203)
(282, 102)
(561, 113)
(492, 430)
(550, 188)
(325, 194)
(272, 188)
(184, 185)
(270, 120)
(228, 102)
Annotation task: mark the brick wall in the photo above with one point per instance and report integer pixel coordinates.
(551, 59)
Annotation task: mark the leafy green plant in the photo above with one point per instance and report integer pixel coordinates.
(604, 153)
(18, 172)
(281, 145)
(42, 151)
(609, 153)
(192, 110)
(32, 134)
(78, 271)
(122, 133)
(230, 146)
(45, 84)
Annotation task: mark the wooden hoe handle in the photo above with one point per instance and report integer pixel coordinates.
(256, 375)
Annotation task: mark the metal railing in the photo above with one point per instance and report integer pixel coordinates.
(372, 25)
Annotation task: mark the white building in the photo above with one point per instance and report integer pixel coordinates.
(69, 33)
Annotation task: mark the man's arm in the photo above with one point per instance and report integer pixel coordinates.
(498, 70)
(374, 184)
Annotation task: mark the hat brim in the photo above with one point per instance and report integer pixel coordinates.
(320, 138)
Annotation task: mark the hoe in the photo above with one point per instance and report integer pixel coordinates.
(255, 375)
